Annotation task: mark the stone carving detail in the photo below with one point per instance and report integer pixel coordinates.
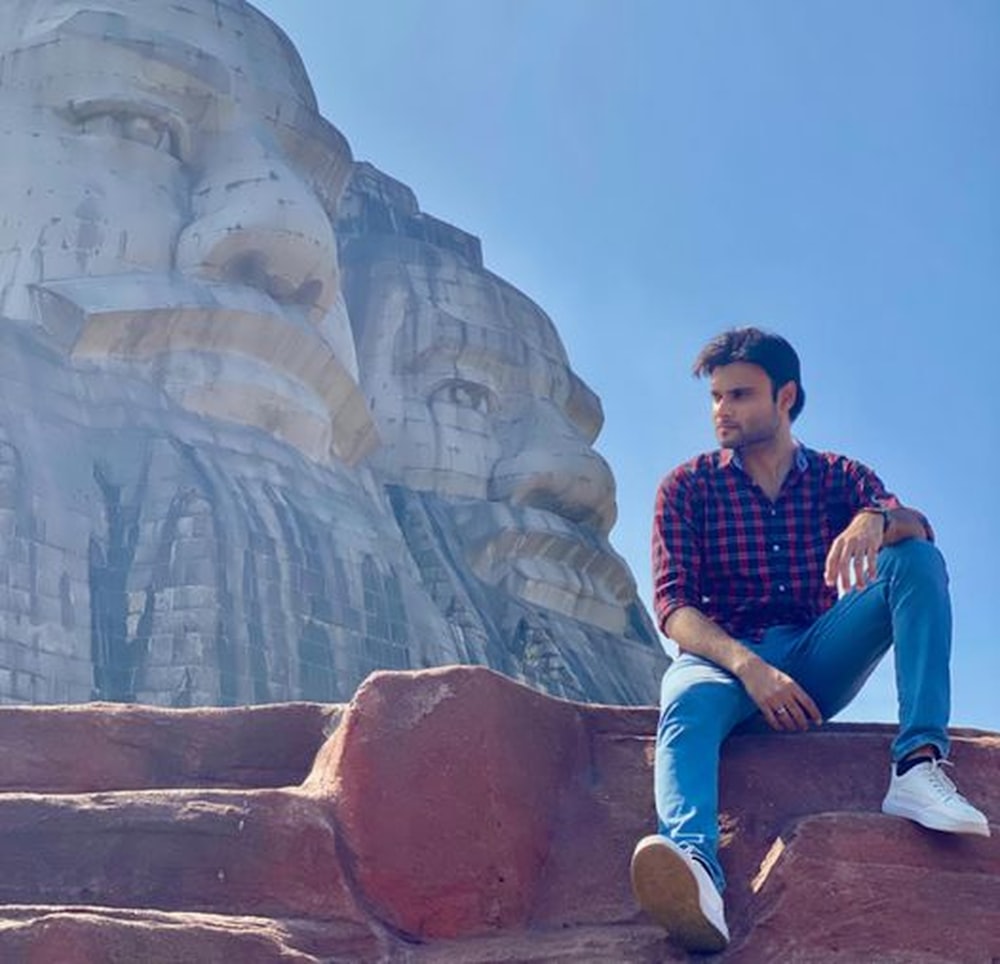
(486, 443)
(195, 503)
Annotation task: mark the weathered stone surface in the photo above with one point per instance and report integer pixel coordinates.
(838, 886)
(455, 815)
(261, 852)
(100, 935)
(446, 793)
(187, 513)
(110, 746)
(487, 445)
(181, 517)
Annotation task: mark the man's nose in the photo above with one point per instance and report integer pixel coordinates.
(257, 223)
(553, 467)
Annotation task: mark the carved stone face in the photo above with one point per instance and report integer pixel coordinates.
(174, 212)
(475, 401)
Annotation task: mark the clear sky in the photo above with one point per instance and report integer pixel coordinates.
(653, 171)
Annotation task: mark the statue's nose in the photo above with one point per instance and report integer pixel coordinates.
(554, 468)
(257, 223)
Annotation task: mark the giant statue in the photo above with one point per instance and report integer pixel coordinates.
(199, 495)
(486, 448)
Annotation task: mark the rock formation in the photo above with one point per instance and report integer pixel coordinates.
(188, 509)
(454, 815)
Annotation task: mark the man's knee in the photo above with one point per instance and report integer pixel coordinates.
(914, 559)
(699, 696)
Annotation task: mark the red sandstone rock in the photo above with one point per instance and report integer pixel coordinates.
(266, 852)
(457, 816)
(88, 935)
(112, 746)
(446, 786)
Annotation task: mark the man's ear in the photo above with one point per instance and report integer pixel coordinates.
(786, 396)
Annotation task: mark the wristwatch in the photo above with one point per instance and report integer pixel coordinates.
(882, 511)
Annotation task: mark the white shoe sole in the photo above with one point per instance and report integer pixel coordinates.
(667, 890)
(931, 823)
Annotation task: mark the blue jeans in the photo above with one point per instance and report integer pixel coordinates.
(700, 703)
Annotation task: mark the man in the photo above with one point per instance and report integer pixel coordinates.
(752, 545)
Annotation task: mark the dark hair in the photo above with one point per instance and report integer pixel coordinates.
(771, 352)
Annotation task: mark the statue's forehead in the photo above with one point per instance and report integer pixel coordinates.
(214, 40)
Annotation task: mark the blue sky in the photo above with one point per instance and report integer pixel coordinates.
(652, 171)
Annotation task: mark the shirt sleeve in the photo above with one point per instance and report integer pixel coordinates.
(866, 490)
(676, 547)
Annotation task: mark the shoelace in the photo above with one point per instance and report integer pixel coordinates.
(941, 782)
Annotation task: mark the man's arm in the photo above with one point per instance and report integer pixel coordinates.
(855, 550)
(783, 703)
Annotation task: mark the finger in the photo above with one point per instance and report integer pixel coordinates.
(796, 715)
(872, 562)
(832, 563)
(772, 716)
(781, 721)
(809, 705)
(844, 576)
(858, 565)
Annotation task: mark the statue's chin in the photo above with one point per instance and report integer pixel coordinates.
(547, 561)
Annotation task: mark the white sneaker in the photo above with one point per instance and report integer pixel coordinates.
(679, 894)
(925, 794)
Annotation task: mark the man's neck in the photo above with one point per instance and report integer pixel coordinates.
(768, 463)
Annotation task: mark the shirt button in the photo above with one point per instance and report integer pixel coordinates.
(781, 588)
(776, 547)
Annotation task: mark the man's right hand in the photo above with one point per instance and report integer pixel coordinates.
(782, 702)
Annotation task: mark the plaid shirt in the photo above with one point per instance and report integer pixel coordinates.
(720, 545)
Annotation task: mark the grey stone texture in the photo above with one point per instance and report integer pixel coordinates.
(219, 483)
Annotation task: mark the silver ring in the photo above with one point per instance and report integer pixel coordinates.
(780, 709)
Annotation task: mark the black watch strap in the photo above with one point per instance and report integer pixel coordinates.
(882, 511)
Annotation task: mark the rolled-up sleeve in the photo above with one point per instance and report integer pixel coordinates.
(867, 491)
(676, 547)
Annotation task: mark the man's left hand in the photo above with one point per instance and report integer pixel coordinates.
(855, 552)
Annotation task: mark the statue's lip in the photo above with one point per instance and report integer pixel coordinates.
(140, 316)
(540, 556)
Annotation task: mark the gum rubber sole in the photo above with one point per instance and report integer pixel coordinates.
(667, 890)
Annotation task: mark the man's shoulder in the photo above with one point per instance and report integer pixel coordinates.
(705, 464)
(833, 462)
(693, 474)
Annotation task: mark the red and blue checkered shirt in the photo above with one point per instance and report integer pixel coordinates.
(722, 546)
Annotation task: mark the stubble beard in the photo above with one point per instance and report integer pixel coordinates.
(744, 440)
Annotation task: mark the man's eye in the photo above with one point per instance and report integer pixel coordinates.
(133, 126)
(466, 395)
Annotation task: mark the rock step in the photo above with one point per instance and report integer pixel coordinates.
(453, 815)
(103, 935)
(115, 746)
(269, 853)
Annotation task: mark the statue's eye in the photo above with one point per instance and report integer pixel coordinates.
(131, 122)
(466, 395)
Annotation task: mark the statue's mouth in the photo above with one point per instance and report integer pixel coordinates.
(286, 378)
(547, 561)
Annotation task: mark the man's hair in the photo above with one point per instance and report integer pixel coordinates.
(755, 347)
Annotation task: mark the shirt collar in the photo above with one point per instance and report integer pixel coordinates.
(799, 464)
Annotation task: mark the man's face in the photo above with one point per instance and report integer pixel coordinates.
(745, 412)
(178, 144)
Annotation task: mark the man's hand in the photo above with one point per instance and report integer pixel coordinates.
(855, 551)
(784, 704)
